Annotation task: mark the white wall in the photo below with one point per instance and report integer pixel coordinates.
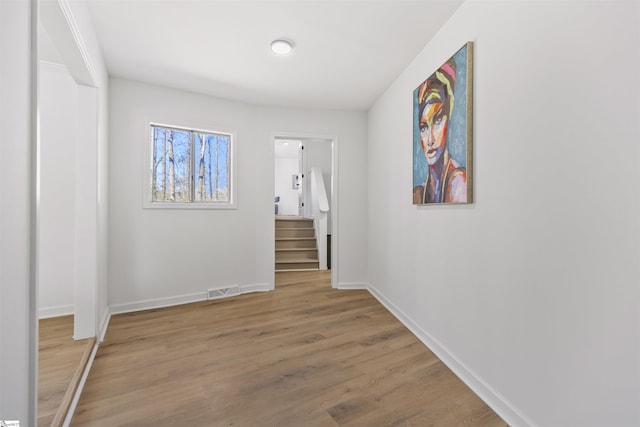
(70, 27)
(18, 326)
(350, 129)
(156, 253)
(289, 196)
(58, 105)
(86, 30)
(531, 293)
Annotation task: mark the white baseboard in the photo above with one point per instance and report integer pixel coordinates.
(83, 380)
(353, 285)
(180, 299)
(55, 311)
(157, 303)
(104, 324)
(491, 397)
(256, 287)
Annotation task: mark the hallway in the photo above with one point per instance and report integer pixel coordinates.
(305, 354)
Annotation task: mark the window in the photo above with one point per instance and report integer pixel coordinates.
(189, 168)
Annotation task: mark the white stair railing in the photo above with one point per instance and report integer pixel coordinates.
(319, 211)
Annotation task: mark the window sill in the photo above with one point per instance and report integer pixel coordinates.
(205, 206)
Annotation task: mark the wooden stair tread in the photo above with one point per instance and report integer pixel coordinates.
(295, 238)
(295, 249)
(293, 218)
(294, 228)
(296, 243)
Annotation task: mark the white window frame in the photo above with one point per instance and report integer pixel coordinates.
(147, 167)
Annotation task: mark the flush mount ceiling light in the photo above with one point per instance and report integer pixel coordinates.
(281, 47)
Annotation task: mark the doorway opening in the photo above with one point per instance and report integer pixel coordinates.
(289, 171)
(305, 203)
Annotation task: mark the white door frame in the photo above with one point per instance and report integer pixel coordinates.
(303, 203)
(334, 212)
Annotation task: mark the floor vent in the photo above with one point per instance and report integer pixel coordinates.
(223, 292)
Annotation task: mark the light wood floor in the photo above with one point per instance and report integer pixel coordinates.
(304, 355)
(60, 358)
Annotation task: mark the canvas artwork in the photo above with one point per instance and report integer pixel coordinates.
(442, 133)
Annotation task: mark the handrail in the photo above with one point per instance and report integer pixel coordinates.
(319, 208)
(318, 188)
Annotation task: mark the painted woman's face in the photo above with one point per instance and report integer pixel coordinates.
(434, 124)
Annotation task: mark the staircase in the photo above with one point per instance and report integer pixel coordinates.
(296, 247)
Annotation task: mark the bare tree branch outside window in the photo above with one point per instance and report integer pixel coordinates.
(178, 154)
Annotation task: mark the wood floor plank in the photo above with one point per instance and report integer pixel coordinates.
(305, 354)
(61, 360)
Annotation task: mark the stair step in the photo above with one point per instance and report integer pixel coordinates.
(294, 260)
(296, 247)
(296, 243)
(296, 255)
(294, 232)
(295, 238)
(310, 265)
(294, 228)
(294, 223)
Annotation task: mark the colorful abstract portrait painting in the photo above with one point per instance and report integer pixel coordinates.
(442, 133)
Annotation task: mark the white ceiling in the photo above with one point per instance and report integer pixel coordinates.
(287, 149)
(346, 52)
